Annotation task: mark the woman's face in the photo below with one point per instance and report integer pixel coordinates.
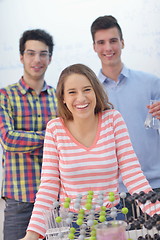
(79, 96)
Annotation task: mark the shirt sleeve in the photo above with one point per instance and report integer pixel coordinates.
(16, 140)
(129, 166)
(50, 183)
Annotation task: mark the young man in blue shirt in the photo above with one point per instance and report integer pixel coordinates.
(130, 92)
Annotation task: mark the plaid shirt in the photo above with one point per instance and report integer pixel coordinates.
(23, 119)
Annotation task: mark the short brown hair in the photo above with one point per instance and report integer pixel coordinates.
(105, 22)
(36, 34)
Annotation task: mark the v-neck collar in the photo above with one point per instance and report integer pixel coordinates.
(80, 144)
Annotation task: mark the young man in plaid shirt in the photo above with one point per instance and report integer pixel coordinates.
(25, 109)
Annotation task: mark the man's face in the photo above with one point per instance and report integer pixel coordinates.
(35, 59)
(108, 46)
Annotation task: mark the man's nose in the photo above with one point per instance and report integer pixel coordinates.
(107, 46)
(37, 56)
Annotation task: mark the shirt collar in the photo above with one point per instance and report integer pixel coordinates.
(24, 88)
(124, 73)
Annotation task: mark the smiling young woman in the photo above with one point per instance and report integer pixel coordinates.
(85, 149)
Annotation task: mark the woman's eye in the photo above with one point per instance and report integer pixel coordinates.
(71, 92)
(88, 89)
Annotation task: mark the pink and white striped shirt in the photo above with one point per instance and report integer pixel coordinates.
(69, 168)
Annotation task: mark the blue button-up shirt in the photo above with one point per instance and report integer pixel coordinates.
(130, 95)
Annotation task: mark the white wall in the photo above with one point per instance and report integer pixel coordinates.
(69, 22)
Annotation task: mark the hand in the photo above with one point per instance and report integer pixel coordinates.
(31, 236)
(154, 109)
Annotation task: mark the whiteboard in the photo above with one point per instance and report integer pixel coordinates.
(69, 22)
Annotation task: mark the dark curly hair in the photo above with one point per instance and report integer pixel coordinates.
(36, 34)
